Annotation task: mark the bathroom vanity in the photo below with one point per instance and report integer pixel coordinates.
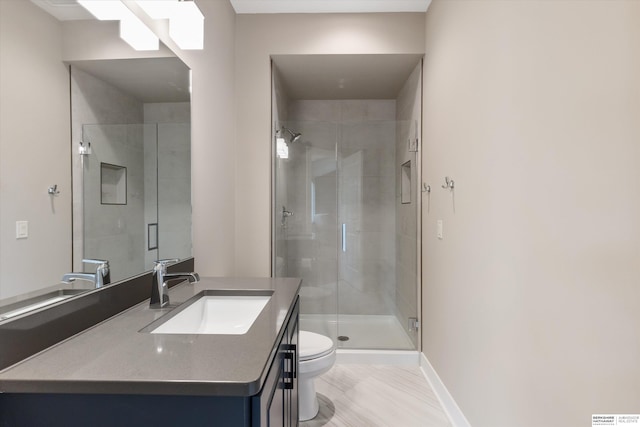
(121, 372)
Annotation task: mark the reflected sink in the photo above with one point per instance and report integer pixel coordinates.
(21, 307)
(222, 312)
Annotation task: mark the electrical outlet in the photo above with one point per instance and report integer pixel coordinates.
(439, 232)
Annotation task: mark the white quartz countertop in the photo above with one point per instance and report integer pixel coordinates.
(115, 357)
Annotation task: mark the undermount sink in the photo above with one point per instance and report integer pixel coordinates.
(224, 312)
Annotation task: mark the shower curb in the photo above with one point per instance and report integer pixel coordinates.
(379, 357)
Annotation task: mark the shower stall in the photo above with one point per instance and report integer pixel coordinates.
(136, 195)
(345, 214)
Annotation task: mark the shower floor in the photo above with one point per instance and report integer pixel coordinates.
(378, 332)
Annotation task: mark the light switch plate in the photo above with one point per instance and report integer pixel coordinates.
(22, 229)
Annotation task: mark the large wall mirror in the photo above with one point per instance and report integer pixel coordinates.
(124, 193)
(131, 163)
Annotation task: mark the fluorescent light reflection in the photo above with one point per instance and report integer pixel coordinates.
(282, 149)
(158, 9)
(186, 27)
(132, 29)
(186, 22)
(138, 35)
(105, 10)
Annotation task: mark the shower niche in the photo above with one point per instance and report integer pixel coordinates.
(349, 179)
(113, 184)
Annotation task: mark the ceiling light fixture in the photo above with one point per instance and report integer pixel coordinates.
(105, 10)
(137, 34)
(186, 22)
(132, 29)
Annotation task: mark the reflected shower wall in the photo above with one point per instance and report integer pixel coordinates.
(114, 224)
(136, 195)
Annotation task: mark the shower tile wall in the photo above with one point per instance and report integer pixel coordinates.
(406, 227)
(115, 232)
(365, 132)
(94, 101)
(151, 190)
(173, 144)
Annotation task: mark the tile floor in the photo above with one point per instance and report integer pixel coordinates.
(354, 395)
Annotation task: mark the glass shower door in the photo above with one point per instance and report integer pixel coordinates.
(369, 283)
(119, 196)
(340, 223)
(305, 227)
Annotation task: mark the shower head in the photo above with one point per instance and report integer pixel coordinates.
(295, 136)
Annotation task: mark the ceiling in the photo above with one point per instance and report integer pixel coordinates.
(305, 76)
(329, 6)
(345, 76)
(147, 79)
(65, 10)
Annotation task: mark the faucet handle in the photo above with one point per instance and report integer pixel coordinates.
(162, 264)
(103, 274)
(96, 261)
(166, 261)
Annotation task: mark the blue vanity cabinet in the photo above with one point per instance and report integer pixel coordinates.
(277, 403)
(291, 397)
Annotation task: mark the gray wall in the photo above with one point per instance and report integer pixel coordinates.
(256, 38)
(34, 149)
(530, 301)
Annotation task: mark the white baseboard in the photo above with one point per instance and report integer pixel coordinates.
(378, 357)
(449, 405)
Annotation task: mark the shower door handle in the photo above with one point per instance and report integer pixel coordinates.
(344, 237)
(285, 214)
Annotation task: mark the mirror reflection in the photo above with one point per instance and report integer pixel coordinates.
(131, 156)
(131, 123)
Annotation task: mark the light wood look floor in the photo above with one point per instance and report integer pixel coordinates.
(354, 395)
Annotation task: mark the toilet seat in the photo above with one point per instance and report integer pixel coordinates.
(313, 346)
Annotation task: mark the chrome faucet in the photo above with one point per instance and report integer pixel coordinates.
(160, 286)
(101, 277)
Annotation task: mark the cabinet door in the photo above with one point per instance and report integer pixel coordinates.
(268, 405)
(277, 403)
(276, 416)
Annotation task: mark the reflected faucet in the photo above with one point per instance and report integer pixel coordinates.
(160, 286)
(101, 277)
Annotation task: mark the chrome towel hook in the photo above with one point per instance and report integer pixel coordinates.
(53, 190)
(448, 183)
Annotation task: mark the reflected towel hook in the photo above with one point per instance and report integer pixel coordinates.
(426, 188)
(84, 149)
(448, 183)
(53, 190)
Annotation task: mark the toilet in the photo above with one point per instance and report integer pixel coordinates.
(317, 354)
